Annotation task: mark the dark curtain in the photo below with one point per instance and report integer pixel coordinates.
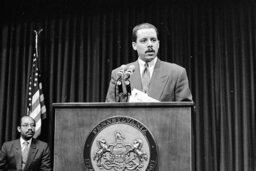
(79, 46)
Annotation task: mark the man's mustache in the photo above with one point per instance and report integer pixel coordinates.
(30, 132)
(150, 50)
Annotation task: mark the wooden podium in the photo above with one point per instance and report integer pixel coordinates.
(168, 122)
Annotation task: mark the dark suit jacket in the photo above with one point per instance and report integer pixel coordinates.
(39, 156)
(169, 82)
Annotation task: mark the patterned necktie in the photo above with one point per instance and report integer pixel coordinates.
(25, 151)
(145, 78)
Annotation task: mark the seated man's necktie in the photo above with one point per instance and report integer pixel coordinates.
(25, 151)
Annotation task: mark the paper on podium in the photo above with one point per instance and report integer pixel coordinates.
(139, 96)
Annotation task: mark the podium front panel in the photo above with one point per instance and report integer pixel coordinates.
(169, 123)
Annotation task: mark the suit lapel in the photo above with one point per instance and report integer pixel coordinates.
(32, 152)
(158, 81)
(136, 78)
(17, 151)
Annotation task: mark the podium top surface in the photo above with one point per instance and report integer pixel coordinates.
(123, 104)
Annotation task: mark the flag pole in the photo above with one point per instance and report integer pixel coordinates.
(36, 41)
(36, 106)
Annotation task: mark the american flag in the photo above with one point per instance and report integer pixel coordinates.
(35, 106)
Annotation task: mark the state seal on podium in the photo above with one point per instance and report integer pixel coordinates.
(120, 143)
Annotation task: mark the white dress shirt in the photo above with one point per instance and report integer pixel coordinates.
(22, 143)
(151, 66)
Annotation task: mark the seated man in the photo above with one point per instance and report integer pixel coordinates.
(25, 153)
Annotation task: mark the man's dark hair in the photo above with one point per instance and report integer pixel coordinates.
(142, 26)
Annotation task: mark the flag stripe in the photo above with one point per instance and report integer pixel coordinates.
(35, 98)
(38, 128)
(36, 112)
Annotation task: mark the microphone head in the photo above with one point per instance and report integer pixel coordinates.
(119, 74)
(121, 71)
(129, 71)
(123, 68)
(131, 68)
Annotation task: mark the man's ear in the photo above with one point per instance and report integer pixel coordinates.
(18, 128)
(134, 45)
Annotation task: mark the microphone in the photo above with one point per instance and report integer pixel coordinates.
(128, 87)
(120, 73)
(127, 75)
(129, 72)
(119, 81)
(119, 86)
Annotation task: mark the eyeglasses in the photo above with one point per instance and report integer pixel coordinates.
(27, 125)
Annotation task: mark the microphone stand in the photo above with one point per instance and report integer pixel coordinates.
(123, 85)
(123, 90)
(119, 90)
(128, 89)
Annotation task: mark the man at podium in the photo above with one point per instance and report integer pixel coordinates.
(156, 79)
